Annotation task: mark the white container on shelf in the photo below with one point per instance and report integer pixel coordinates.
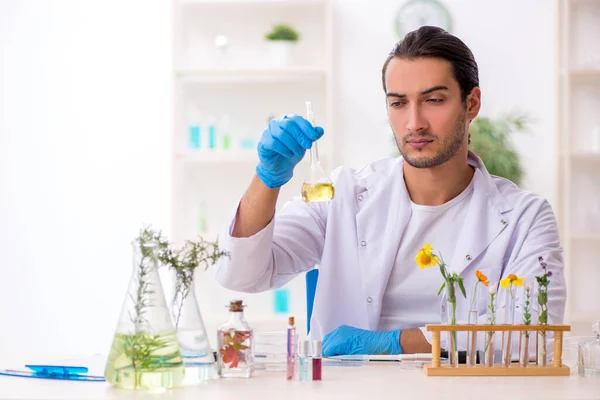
(281, 52)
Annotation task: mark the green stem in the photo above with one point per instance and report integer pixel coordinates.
(454, 323)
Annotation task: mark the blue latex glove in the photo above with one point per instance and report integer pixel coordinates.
(282, 146)
(350, 340)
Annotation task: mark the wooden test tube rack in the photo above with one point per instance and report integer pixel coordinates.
(554, 368)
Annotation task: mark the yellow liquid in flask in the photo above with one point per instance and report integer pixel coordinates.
(145, 362)
(317, 192)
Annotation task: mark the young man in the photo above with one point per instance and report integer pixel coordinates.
(371, 296)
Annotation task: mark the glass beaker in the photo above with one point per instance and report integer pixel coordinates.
(145, 352)
(198, 358)
(317, 186)
(588, 355)
(236, 344)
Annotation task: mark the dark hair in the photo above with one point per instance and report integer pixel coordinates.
(431, 41)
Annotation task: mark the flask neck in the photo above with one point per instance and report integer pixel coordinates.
(236, 318)
(314, 154)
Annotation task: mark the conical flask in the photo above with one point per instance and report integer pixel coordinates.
(198, 357)
(317, 186)
(145, 352)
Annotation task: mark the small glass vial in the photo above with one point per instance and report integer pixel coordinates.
(588, 363)
(316, 360)
(304, 360)
(291, 349)
(236, 341)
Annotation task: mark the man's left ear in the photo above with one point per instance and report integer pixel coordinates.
(473, 103)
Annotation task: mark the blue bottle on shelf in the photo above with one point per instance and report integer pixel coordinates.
(212, 133)
(281, 301)
(194, 137)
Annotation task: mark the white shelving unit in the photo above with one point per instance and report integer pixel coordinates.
(238, 91)
(579, 127)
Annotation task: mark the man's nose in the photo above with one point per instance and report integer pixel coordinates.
(416, 122)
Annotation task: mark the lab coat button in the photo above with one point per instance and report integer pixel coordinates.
(369, 300)
(468, 257)
(360, 197)
(443, 308)
(363, 243)
(503, 222)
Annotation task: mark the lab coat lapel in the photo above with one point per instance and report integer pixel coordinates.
(380, 222)
(484, 222)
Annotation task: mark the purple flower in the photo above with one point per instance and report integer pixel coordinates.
(549, 273)
(544, 265)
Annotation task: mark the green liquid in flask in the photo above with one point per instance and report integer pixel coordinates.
(145, 362)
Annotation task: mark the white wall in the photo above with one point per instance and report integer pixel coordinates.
(84, 139)
(84, 152)
(515, 44)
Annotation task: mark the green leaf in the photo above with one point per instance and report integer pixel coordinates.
(441, 288)
(462, 287)
(542, 298)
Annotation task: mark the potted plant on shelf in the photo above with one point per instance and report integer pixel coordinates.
(282, 39)
(490, 140)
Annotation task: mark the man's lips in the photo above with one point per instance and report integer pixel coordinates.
(419, 143)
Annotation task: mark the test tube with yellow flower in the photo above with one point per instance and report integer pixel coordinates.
(427, 258)
(510, 285)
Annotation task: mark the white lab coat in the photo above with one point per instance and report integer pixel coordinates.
(354, 240)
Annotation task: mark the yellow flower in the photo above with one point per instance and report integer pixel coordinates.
(511, 279)
(425, 258)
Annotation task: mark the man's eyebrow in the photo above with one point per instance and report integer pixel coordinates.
(426, 91)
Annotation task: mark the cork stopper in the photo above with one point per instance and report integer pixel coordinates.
(236, 306)
(291, 321)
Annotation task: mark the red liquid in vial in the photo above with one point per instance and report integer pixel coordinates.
(316, 368)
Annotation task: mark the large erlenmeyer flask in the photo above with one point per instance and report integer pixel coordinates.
(145, 352)
(198, 357)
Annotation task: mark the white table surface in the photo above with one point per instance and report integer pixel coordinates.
(371, 381)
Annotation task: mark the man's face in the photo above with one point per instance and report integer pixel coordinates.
(425, 110)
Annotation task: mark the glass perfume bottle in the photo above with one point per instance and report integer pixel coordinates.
(145, 353)
(236, 341)
(588, 363)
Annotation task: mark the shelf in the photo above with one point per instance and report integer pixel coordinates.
(259, 75)
(253, 2)
(586, 237)
(585, 73)
(217, 156)
(595, 157)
